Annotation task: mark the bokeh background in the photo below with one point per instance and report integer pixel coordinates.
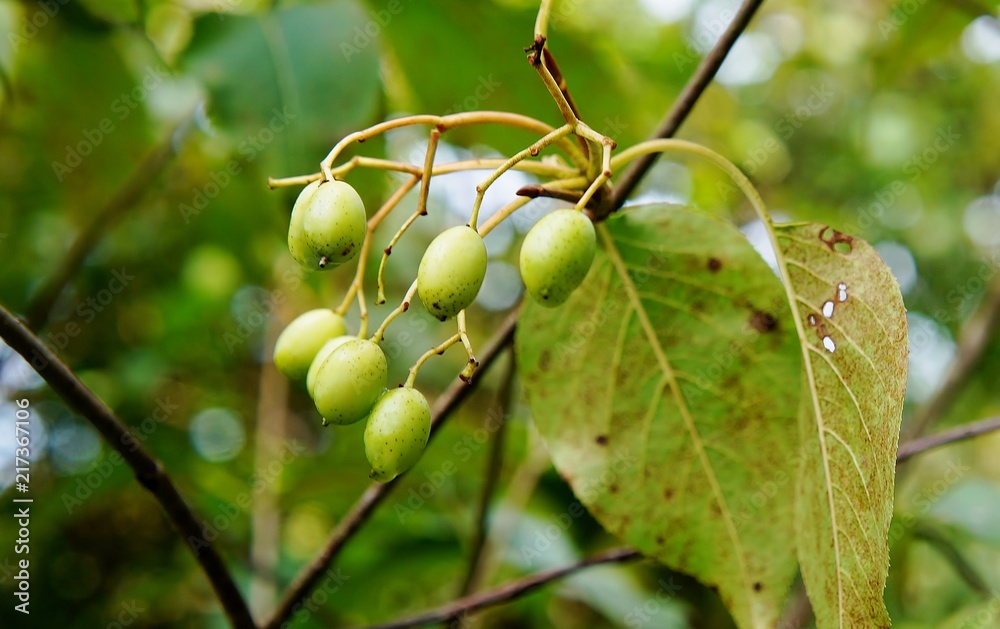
(153, 125)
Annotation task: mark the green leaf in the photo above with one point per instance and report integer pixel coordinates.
(288, 74)
(667, 391)
(852, 325)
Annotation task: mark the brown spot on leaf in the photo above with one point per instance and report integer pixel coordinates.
(601, 440)
(835, 240)
(758, 586)
(543, 359)
(660, 540)
(714, 264)
(668, 494)
(613, 489)
(763, 321)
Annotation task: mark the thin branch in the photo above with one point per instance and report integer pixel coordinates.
(800, 611)
(508, 592)
(6, 83)
(946, 547)
(494, 463)
(148, 471)
(376, 492)
(971, 344)
(265, 514)
(132, 191)
(627, 183)
(967, 431)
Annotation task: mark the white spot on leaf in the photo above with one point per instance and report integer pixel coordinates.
(829, 344)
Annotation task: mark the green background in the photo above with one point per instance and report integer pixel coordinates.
(879, 119)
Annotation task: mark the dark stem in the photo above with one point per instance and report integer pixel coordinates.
(972, 342)
(376, 492)
(967, 431)
(534, 191)
(132, 191)
(148, 471)
(507, 592)
(627, 183)
(800, 610)
(363, 508)
(494, 463)
(946, 547)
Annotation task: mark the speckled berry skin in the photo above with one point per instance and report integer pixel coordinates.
(334, 223)
(349, 381)
(556, 256)
(397, 432)
(452, 271)
(324, 353)
(297, 244)
(299, 342)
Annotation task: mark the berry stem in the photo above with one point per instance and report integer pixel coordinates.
(606, 145)
(363, 315)
(432, 143)
(439, 349)
(542, 169)
(500, 215)
(473, 364)
(566, 107)
(373, 224)
(444, 123)
(542, 19)
(503, 213)
(400, 309)
(531, 151)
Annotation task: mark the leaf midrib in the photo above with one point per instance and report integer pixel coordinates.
(804, 345)
(613, 254)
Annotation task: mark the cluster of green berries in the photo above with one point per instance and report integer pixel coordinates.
(346, 375)
(555, 257)
(346, 378)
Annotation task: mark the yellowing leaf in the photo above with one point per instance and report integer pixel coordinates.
(667, 390)
(852, 325)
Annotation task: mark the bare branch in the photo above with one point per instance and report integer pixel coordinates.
(943, 543)
(132, 191)
(494, 463)
(967, 431)
(376, 492)
(971, 344)
(148, 471)
(627, 183)
(508, 592)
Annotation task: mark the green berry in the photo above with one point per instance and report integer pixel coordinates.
(451, 271)
(397, 432)
(556, 256)
(349, 381)
(335, 223)
(323, 353)
(328, 225)
(297, 244)
(299, 342)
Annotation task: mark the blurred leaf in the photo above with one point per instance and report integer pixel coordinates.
(292, 72)
(855, 345)
(667, 389)
(972, 506)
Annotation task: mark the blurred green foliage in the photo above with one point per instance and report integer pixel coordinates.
(879, 119)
